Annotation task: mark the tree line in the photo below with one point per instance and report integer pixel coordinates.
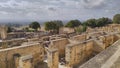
(55, 25)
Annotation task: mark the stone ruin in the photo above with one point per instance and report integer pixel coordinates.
(87, 50)
(3, 32)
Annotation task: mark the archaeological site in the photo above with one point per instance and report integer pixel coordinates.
(95, 48)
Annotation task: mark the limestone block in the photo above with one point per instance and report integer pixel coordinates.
(53, 58)
(26, 62)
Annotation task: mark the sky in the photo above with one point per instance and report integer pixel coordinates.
(16, 10)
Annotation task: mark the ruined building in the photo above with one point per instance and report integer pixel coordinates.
(96, 48)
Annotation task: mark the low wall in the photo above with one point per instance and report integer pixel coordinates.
(105, 41)
(12, 42)
(15, 35)
(33, 39)
(109, 39)
(108, 58)
(79, 38)
(6, 55)
(78, 53)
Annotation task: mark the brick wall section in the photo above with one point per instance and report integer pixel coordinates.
(26, 62)
(79, 37)
(101, 60)
(59, 44)
(78, 53)
(6, 55)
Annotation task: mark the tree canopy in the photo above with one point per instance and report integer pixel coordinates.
(98, 22)
(34, 25)
(90, 22)
(50, 26)
(53, 25)
(73, 23)
(103, 21)
(116, 19)
(58, 23)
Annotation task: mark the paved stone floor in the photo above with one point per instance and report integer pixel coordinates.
(116, 64)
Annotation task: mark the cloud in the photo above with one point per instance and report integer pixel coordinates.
(93, 3)
(58, 9)
(51, 9)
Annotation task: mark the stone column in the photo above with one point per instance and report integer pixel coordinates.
(53, 58)
(68, 55)
(26, 62)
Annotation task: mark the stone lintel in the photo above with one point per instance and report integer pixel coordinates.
(52, 50)
(23, 58)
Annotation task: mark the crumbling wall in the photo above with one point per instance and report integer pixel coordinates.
(53, 58)
(33, 39)
(25, 62)
(3, 32)
(79, 37)
(59, 44)
(104, 41)
(108, 40)
(6, 55)
(78, 53)
(16, 35)
(106, 59)
(12, 42)
(98, 46)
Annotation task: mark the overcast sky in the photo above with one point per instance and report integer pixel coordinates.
(57, 9)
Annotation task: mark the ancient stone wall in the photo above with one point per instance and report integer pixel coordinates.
(16, 35)
(108, 40)
(66, 30)
(3, 32)
(78, 53)
(33, 39)
(98, 46)
(108, 58)
(79, 37)
(12, 42)
(25, 62)
(53, 58)
(59, 44)
(6, 55)
(104, 41)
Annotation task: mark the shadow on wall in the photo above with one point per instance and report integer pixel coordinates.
(42, 65)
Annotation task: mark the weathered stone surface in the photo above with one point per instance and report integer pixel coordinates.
(53, 58)
(6, 55)
(79, 38)
(59, 44)
(26, 62)
(78, 53)
(106, 59)
(3, 32)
